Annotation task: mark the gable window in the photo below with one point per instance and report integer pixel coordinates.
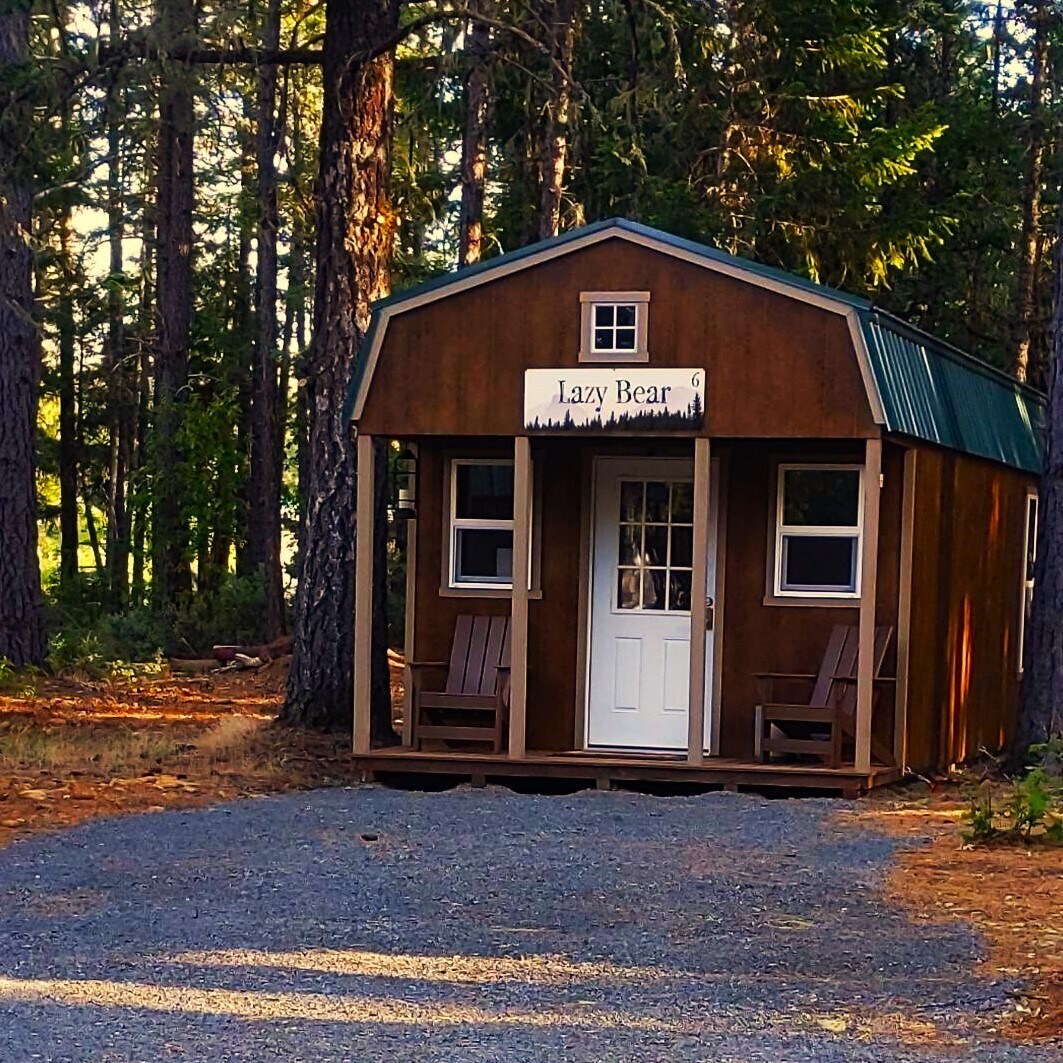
(818, 529)
(614, 326)
(1028, 561)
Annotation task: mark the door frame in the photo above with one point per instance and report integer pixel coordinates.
(717, 526)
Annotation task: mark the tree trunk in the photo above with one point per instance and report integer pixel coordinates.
(121, 402)
(1041, 701)
(1029, 239)
(474, 140)
(171, 577)
(355, 226)
(561, 16)
(68, 416)
(264, 488)
(22, 639)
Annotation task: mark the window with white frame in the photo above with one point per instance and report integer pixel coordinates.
(614, 326)
(1029, 559)
(818, 530)
(481, 523)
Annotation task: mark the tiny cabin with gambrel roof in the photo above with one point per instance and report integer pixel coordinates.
(745, 529)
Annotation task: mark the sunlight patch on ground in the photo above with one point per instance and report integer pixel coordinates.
(311, 1007)
(537, 970)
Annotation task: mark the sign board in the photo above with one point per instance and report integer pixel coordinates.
(625, 399)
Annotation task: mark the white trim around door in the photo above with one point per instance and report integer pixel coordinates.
(636, 686)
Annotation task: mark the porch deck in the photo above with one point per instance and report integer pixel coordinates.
(602, 769)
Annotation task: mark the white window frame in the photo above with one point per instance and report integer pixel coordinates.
(474, 523)
(589, 301)
(810, 531)
(1029, 560)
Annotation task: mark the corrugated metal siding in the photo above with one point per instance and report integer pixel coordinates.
(933, 393)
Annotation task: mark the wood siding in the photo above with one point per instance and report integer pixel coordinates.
(777, 367)
(966, 594)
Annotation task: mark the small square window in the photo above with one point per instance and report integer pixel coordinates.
(614, 326)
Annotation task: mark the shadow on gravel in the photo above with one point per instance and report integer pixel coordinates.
(480, 925)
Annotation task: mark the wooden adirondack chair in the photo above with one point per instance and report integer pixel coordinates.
(820, 726)
(473, 705)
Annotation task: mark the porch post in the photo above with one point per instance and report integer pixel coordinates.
(865, 670)
(518, 693)
(363, 593)
(698, 605)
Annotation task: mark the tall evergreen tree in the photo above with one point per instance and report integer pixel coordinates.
(22, 638)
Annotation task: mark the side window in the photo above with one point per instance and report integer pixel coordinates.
(614, 326)
(818, 530)
(1028, 561)
(481, 523)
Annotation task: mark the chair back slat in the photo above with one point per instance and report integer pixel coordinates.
(474, 668)
(828, 668)
(459, 654)
(497, 641)
(846, 693)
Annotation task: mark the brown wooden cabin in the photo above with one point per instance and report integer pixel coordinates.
(692, 468)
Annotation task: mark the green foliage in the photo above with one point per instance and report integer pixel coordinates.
(94, 642)
(18, 681)
(1032, 811)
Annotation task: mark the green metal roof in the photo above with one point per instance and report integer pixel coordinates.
(925, 388)
(935, 392)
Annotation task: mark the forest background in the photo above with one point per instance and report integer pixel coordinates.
(174, 184)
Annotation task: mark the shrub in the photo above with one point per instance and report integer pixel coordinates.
(90, 639)
(1032, 811)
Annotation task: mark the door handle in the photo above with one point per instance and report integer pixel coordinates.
(710, 614)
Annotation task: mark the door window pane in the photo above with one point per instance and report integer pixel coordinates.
(631, 500)
(653, 588)
(628, 588)
(630, 544)
(657, 501)
(679, 592)
(655, 551)
(682, 555)
(656, 545)
(682, 503)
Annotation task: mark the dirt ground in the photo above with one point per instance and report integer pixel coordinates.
(72, 750)
(1012, 894)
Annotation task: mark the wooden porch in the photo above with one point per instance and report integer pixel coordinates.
(604, 769)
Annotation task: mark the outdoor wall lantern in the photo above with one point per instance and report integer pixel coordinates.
(406, 484)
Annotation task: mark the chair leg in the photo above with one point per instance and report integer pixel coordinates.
(758, 736)
(837, 737)
(415, 720)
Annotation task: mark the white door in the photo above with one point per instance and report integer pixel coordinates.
(642, 557)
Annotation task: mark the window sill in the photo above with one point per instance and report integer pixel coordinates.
(619, 358)
(446, 591)
(813, 603)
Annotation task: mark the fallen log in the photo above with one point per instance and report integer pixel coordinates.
(194, 666)
(279, 647)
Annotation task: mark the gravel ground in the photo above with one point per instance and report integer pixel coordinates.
(370, 924)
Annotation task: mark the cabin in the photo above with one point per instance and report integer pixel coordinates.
(677, 516)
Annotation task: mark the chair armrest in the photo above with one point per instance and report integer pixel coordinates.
(427, 664)
(766, 682)
(851, 679)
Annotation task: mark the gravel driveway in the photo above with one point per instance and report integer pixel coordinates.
(369, 924)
